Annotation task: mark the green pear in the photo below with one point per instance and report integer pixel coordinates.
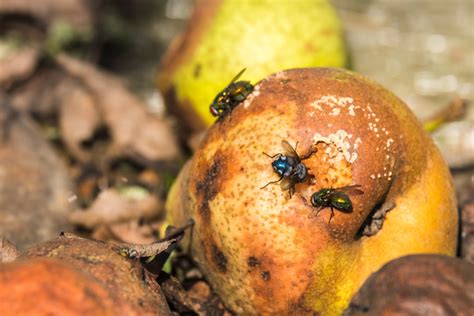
(225, 36)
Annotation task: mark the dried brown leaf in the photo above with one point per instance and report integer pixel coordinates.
(134, 131)
(78, 118)
(467, 235)
(17, 66)
(76, 12)
(111, 206)
(8, 251)
(35, 185)
(38, 95)
(132, 232)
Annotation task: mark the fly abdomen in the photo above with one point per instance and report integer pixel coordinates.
(342, 202)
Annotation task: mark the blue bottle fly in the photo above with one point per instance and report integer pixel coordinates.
(289, 167)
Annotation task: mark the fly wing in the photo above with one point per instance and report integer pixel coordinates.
(351, 189)
(289, 150)
(237, 76)
(287, 183)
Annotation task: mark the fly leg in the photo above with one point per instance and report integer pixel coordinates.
(291, 190)
(332, 215)
(319, 210)
(272, 182)
(308, 154)
(274, 156)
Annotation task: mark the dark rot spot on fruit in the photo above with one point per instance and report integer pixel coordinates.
(252, 262)
(197, 71)
(208, 187)
(265, 275)
(219, 258)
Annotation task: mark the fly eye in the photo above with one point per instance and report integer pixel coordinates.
(215, 112)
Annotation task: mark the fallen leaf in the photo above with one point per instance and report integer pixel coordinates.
(467, 233)
(78, 13)
(17, 65)
(134, 131)
(38, 95)
(111, 206)
(78, 118)
(132, 232)
(8, 252)
(35, 184)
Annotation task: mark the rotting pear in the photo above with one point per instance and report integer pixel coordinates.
(264, 252)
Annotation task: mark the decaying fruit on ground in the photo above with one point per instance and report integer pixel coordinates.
(76, 276)
(225, 36)
(265, 252)
(51, 287)
(417, 285)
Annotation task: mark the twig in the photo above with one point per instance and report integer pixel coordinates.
(151, 250)
(138, 251)
(454, 111)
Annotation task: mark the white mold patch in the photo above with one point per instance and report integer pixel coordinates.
(342, 148)
(335, 104)
(255, 93)
(357, 142)
(316, 106)
(280, 75)
(374, 126)
(335, 111)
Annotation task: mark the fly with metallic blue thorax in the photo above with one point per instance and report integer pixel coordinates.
(231, 96)
(289, 167)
